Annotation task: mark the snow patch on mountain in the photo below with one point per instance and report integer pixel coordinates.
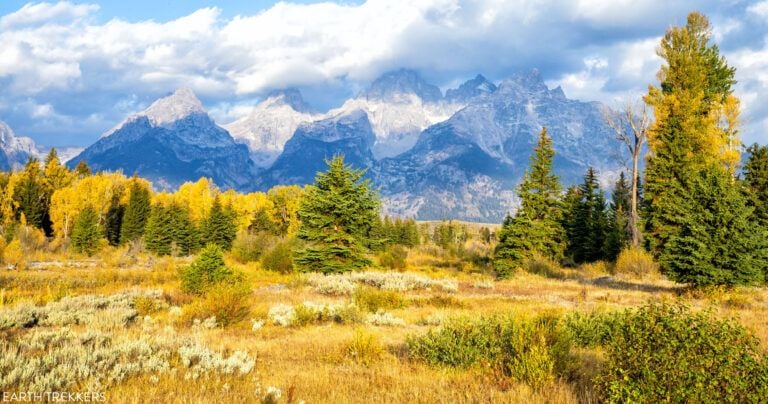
(16, 150)
(270, 124)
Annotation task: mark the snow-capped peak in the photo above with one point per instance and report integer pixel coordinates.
(174, 107)
(470, 89)
(17, 149)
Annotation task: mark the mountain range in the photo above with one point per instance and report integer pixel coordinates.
(432, 155)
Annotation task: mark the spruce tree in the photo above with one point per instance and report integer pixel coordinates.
(696, 115)
(136, 214)
(536, 228)
(219, 228)
(697, 217)
(82, 170)
(158, 236)
(32, 198)
(185, 235)
(756, 179)
(336, 216)
(86, 233)
(262, 223)
(719, 243)
(590, 223)
(114, 221)
(619, 230)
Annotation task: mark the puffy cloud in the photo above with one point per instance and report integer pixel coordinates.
(64, 77)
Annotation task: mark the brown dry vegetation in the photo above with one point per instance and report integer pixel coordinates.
(355, 361)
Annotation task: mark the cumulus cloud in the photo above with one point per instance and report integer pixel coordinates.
(65, 77)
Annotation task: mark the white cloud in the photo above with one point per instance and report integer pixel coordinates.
(40, 13)
(55, 53)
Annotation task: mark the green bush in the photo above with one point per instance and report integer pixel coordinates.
(373, 300)
(592, 329)
(207, 270)
(394, 258)
(532, 351)
(279, 258)
(666, 353)
(249, 247)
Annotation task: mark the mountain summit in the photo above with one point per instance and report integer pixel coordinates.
(14, 150)
(171, 142)
(270, 124)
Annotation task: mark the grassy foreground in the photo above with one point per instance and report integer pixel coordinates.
(293, 338)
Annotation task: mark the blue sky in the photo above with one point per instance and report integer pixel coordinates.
(70, 70)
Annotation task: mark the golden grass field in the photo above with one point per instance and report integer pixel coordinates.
(325, 361)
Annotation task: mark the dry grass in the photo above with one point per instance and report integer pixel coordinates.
(313, 363)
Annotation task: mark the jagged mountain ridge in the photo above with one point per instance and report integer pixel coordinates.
(467, 166)
(171, 142)
(15, 150)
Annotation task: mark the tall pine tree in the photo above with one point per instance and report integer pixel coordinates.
(619, 233)
(219, 227)
(756, 179)
(336, 215)
(698, 219)
(32, 198)
(86, 233)
(136, 214)
(590, 222)
(537, 227)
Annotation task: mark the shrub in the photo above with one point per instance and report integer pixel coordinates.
(532, 351)
(592, 329)
(373, 300)
(383, 318)
(394, 258)
(666, 353)
(635, 261)
(504, 268)
(279, 258)
(227, 303)
(208, 269)
(543, 266)
(364, 348)
(249, 247)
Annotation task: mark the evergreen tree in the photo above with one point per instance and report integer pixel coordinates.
(571, 204)
(336, 215)
(136, 214)
(537, 226)
(697, 217)
(590, 223)
(32, 199)
(696, 115)
(114, 221)
(262, 223)
(170, 231)
(756, 179)
(718, 243)
(185, 235)
(158, 235)
(86, 233)
(619, 231)
(219, 228)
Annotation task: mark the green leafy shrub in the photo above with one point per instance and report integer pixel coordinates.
(394, 258)
(249, 247)
(666, 353)
(207, 270)
(532, 351)
(373, 300)
(279, 258)
(592, 329)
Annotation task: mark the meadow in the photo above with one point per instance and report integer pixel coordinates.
(119, 323)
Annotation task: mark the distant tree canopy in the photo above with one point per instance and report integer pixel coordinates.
(336, 217)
